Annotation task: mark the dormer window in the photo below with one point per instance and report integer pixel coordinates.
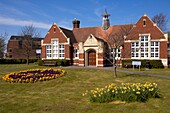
(144, 22)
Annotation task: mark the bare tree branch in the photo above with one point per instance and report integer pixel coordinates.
(29, 32)
(160, 20)
(2, 44)
(115, 41)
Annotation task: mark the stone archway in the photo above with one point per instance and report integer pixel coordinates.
(91, 57)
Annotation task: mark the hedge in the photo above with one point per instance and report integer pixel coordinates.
(59, 62)
(17, 61)
(152, 63)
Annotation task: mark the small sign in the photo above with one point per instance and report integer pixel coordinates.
(38, 51)
(136, 63)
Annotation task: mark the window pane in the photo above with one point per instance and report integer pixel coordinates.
(152, 54)
(137, 49)
(152, 43)
(156, 49)
(133, 44)
(156, 55)
(146, 38)
(133, 49)
(137, 55)
(152, 49)
(156, 43)
(137, 43)
(146, 49)
(133, 55)
(146, 43)
(146, 54)
(142, 38)
(48, 47)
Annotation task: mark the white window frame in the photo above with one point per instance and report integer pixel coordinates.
(145, 49)
(48, 52)
(155, 49)
(55, 49)
(144, 44)
(61, 51)
(135, 49)
(118, 53)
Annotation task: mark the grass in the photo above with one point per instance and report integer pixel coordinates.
(64, 95)
(165, 72)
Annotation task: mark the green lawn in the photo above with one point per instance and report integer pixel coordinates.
(165, 72)
(64, 95)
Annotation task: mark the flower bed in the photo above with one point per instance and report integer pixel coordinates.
(128, 92)
(31, 76)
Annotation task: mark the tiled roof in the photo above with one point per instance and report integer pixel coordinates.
(69, 34)
(81, 34)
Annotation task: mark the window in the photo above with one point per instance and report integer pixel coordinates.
(54, 50)
(48, 51)
(144, 22)
(154, 49)
(134, 49)
(145, 48)
(117, 54)
(10, 50)
(76, 53)
(61, 51)
(54, 29)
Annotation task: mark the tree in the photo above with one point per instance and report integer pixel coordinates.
(2, 44)
(115, 41)
(160, 20)
(28, 32)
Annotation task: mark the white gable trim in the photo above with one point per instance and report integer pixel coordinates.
(91, 41)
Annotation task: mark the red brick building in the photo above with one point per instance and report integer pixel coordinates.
(90, 46)
(16, 47)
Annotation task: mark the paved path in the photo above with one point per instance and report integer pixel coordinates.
(118, 70)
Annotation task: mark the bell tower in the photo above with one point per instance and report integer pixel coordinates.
(105, 22)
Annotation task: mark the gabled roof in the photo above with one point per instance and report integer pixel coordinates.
(55, 32)
(69, 34)
(150, 28)
(81, 34)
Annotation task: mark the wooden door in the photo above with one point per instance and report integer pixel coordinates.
(92, 58)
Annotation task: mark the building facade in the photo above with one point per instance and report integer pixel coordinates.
(19, 46)
(94, 46)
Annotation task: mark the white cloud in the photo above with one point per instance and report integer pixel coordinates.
(71, 11)
(15, 22)
(11, 11)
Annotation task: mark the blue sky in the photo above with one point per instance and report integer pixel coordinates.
(43, 13)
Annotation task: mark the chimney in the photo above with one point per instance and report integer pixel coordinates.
(105, 23)
(76, 23)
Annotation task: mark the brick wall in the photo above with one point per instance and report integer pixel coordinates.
(163, 50)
